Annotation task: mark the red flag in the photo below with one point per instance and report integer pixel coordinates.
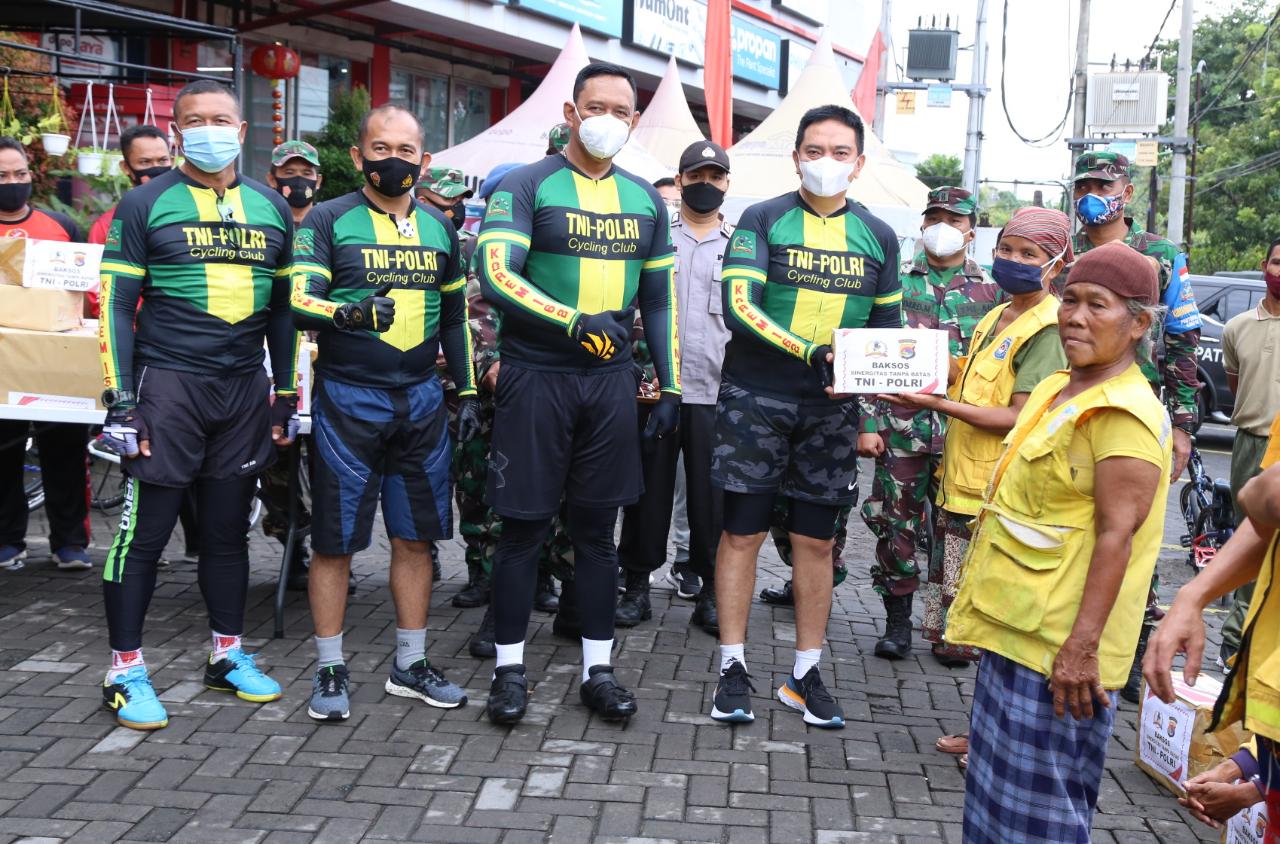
(717, 74)
(864, 93)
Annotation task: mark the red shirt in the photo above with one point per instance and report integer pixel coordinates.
(42, 225)
(98, 234)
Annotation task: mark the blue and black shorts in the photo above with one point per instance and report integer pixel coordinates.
(372, 443)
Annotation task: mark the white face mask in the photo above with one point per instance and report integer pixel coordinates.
(603, 134)
(942, 240)
(825, 176)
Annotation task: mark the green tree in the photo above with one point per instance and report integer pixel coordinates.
(335, 142)
(939, 170)
(1236, 213)
(997, 206)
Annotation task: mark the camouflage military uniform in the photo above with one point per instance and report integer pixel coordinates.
(906, 472)
(1181, 334)
(480, 527)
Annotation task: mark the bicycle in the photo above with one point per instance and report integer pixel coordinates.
(1207, 510)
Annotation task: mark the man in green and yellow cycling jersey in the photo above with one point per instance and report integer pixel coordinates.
(798, 267)
(208, 251)
(569, 246)
(378, 276)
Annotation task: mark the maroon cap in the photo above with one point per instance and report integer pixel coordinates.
(1121, 269)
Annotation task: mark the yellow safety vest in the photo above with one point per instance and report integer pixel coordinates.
(1024, 575)
(1252, 690)
(986, 380)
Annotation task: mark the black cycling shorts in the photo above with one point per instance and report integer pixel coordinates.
(564, 433)
(211, 427)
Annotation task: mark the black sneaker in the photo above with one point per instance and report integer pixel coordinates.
(704, 613)
(508, 695)
(603, 695)
(732, 702)
(687, 584)
(810, 696)
(779, 596)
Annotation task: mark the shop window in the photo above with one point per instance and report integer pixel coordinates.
(470, 111)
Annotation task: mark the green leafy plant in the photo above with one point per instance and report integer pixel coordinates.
(940, 170)
(334, 144)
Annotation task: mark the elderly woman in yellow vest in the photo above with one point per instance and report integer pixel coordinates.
(1251, 693)
(1013, 348)
(1056, 580)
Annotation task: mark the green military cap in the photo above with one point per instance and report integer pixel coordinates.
(558, 137)
(445, 181)
(295, 149)
(1104, 165)
(953, 199)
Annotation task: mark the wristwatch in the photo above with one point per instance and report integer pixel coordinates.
(111, 397)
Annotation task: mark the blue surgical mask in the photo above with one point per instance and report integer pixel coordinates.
(1015, 278)
(1095, 210)
(211, 148)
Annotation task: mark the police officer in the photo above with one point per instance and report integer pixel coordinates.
(701, 237)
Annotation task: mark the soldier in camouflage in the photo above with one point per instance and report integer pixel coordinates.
(1102, 189)
(942, 288)
(479, 525)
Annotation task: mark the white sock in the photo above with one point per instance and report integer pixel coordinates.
(122, 661)
(509, 654)
(595, 652)
(804, 661)
(222, 643)
(730, 653)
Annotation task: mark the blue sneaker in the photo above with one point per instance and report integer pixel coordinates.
(329, 701)
(11, 558)
(134, 701)
(426, 683)
(73, 558)
(237, 672)
(809, 696)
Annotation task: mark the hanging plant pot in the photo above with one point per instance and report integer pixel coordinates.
(89, 163)
(111, 162)
(54, 143)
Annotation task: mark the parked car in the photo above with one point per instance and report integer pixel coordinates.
(1220, 297)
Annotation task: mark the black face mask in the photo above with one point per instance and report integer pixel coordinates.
(302, 191)
(14, 195)
(136, 176)
(391, 176)
(458, 210)
(702, 197)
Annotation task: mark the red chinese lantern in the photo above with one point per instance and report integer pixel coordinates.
(275, 61)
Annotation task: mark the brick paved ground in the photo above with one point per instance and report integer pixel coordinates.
(229, 771)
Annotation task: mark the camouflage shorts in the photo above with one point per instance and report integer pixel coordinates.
(803, 451)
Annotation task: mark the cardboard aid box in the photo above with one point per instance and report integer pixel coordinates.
(1172, 744)
(1247, 827)
(42, 282)
(43, 366)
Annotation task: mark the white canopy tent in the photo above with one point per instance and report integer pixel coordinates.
(522, 135)
(666, 126)
(762, 165)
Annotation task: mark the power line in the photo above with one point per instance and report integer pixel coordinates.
(1239, 67)
(1050, 137)
(1159, 32)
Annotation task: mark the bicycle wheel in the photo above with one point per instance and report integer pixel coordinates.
(1190, 505)
(108, 488)
(32, 482)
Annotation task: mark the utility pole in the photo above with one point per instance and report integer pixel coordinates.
(1189, 226)
(977, 99)
(1181, 115)
(1081, 83)
(882, 73)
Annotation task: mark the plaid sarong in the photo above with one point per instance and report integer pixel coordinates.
(1033, 778)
